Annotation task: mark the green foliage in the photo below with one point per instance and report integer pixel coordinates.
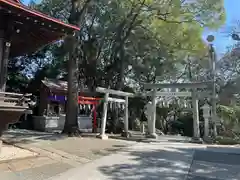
(140, 39)
(231, 115)
(227, 140)
(126, 42)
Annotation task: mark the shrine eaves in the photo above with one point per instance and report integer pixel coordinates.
(27, 30)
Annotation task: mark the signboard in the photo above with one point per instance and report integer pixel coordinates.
(115, 92)
(174, 94)
(81, 99)
(200, 95)
(177, 85)
(116, 100)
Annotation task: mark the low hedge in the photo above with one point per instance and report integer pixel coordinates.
(227, 140)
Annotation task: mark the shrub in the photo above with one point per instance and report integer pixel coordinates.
(227, 140)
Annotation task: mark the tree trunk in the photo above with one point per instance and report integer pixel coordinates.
(71, 123)
(76, 17)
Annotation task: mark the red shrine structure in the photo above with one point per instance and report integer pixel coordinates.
(50, 111)
(23, 31)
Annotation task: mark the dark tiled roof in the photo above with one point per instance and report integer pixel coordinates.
(58, 85)
(55, 84)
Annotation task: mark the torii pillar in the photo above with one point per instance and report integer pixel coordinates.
(152, 133)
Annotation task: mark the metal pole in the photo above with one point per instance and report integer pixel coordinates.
(214, 103)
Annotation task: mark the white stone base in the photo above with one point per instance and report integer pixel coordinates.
(103, 136)
(126, 134)
(152, 136)
(196, 140)
(208, 139)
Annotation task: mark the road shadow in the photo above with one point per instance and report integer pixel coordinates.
(110, 150)
(21, 136)
(172, 164)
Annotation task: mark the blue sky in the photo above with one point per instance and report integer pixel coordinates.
(222, 39)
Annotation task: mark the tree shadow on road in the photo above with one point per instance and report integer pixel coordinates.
(26, 136)
(150, 165)
(171, 164)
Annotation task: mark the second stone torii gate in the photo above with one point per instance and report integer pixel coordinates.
(108, 92)
(193, 94)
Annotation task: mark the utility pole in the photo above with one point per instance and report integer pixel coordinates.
(210, 39)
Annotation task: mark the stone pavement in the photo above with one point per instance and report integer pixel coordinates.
(37, 168)
(164, 161)
(9, 152)
(63, 158)
(56, 154)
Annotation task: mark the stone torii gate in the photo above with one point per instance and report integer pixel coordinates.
(107, 99)
(195, 96)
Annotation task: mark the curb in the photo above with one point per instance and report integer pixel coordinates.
(147, 140)
(129, 139)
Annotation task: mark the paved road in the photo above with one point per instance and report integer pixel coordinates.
(164, 161)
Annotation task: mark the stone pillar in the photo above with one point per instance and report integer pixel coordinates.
(153, 116)
(1, 56)
(196, 130)
(206, 116)
(104, 117)
(196, 119)
(148, 113)
(4, 66)
(206, 127)
(142, 128)
(126, 134)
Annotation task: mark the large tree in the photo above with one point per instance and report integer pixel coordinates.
(129, 42)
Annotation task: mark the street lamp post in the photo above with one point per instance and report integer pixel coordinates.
(210, 39)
